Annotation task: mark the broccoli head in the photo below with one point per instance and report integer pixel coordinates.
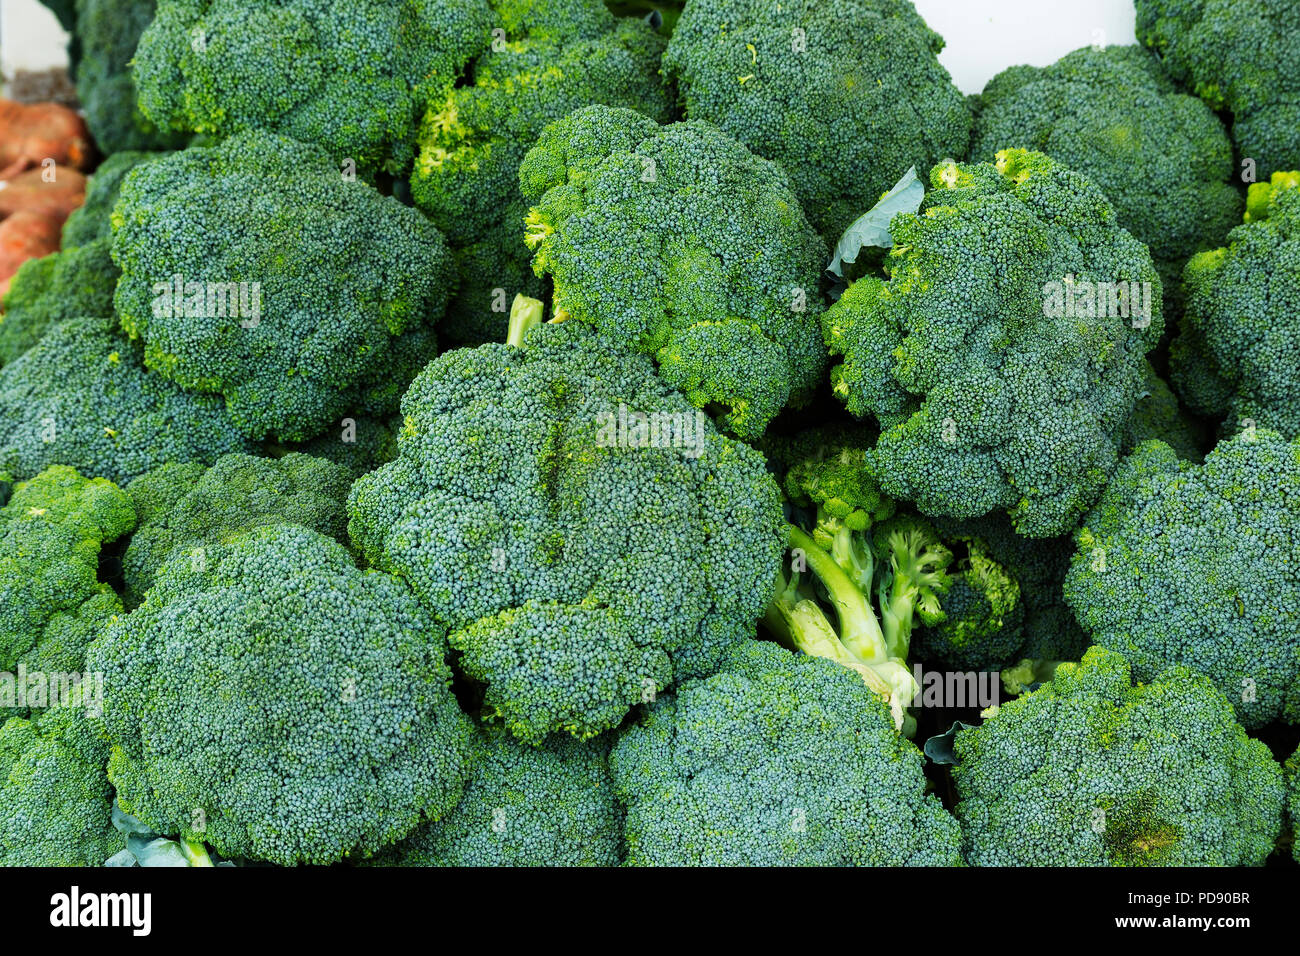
(778, 759)
(1243, 313)
(81, 397)
(585, 535)
(254, 270)
(1238, 56)
(525, 805)
(472, 141)
(845, 94)
(107, 33)
(1199, 565)
(1002, 354)
(278, 704)
(51, 532)
(352, 78)
(56, 804)
(186, 509)
(721, 283)
(1090, 770)
(1113, 115)
(1292, 776)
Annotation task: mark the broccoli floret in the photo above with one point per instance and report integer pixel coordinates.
(778, 759)
(56, 803)
(494, 270)
(845, 94)
(352, 78)
(185, 510)
(996, 383)
(585, 535)
(79, 279)
(358, 443)
(51, 532)
(978, 630)
(336, 285)
(472, 141)
(1238, 56)
(1090, 770)
(1161, 157)
(81, 397)
(1158, 416)
(1199, 565)
(49, 290)
(680, 243)
(525, 805)
(278, 704)
(107, 34)
(1291, 773)
(1243, 314)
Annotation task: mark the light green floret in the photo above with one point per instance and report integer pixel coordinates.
(304, 295)
(845, 94)
(51, 533)
(185, 510)
(1093, 770)
(1243, 317)
(55, 800)
(996, 352)
(525, 805)
(1199, 565)
(777, 760)
(584, 534)
(278, 704)
(678, 242)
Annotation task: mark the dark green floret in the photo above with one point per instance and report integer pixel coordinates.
(351, 78)
(1243, 59)
(278, 704)
(107, 32)
(337, 285)
(1242, 325)
(586, 536)
(981, 354)
(1161, 157)
(679, 242)
(55, 800)
(1199, 565)
(846, 95)
(186, 510)
(777, 760)
(82, 397)
(525, 805)
(1094, 770)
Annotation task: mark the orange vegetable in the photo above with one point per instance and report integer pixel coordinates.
(25, 235)
(31, 133)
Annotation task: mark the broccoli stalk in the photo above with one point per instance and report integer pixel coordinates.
(908, 586)
(525, 313)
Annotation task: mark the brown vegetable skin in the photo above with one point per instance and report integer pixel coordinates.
(25, 235)
(30, 191)
(33, 132)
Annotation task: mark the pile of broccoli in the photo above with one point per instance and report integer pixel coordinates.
(564, 433)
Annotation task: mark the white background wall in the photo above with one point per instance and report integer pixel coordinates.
(983, 36)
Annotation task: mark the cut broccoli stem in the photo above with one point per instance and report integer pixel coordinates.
(195, 852)
(525, 313)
